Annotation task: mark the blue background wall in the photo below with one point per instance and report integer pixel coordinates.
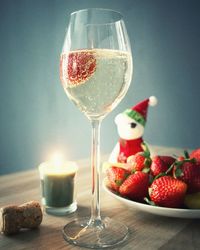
(36, 117)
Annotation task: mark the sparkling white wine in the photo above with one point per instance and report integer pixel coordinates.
(96, 80)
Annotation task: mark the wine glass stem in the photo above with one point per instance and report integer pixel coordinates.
(95, 170)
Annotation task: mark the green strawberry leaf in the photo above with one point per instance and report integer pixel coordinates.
(186, 154)
(144, 154)
(178, 172)
(146, 170)
(118, 182)
(147, 162)
(126, 175)
(180, 163)
(193, 160)
(146, 150)
(148, 201)
(133, 171)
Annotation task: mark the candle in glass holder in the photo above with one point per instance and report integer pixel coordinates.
(58, 186)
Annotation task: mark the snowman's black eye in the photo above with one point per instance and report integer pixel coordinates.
(133, 125)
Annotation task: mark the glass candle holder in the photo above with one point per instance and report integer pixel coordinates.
(58, 187)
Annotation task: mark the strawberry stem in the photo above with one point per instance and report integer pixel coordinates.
(160, 175)
(186, 154)
(146, 150)
(170, 168)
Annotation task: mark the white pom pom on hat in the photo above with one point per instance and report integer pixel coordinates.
(153, 101)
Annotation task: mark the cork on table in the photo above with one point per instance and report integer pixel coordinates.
(146, 231)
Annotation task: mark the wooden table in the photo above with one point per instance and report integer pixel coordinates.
(147, 231)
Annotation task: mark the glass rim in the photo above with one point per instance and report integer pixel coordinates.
(99, 9)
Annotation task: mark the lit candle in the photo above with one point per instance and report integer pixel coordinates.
(58, 185)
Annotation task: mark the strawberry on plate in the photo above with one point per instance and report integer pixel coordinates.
(168, 192)
(196, 154)
(189, 172)
(140, 161)
(135, 187)
(168, 160)
(116, 176)
(161, 164)
(77, 67)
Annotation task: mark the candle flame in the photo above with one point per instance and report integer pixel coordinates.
(57, 159)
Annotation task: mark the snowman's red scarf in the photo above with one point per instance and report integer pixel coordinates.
(128, 148)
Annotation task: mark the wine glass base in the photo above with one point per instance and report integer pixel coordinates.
(95, 234)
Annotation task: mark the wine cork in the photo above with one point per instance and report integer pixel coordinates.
(13, 218)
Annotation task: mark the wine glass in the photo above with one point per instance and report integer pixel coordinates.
(96, 72)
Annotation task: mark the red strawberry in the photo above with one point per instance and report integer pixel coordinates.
(161, 164)
(139, 161)
(196, 154)
(168, 192)
(77, 66)
(189, 172)
(158, 166)
(135, 186)
(181, 158)
(169, 160)
(116, 176)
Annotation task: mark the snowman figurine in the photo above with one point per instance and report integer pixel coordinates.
(130, 126)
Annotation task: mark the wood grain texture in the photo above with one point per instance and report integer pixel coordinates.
(146, 231)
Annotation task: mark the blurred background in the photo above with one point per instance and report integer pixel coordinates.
(36, 117)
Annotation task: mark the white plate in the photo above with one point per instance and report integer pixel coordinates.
(163, 211)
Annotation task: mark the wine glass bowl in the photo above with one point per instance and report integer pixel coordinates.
(96, 79)
(96, 71)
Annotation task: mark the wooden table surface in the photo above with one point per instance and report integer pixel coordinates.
(147, 231)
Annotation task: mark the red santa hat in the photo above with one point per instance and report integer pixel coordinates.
(139, 111)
